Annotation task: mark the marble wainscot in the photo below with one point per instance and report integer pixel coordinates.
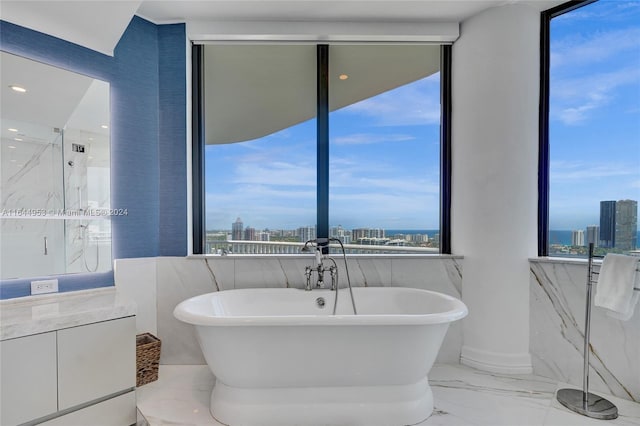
(174, 279)
(557, 299)
(30, 315)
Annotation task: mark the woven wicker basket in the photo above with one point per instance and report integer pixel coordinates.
(147, 358)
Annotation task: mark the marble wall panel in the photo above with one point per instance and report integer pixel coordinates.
(366, 272)
(293, 270)
(136, 280)
(258, 272)
(178, 279)
(557, 320)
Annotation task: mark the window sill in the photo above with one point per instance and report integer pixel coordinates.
(562, 260)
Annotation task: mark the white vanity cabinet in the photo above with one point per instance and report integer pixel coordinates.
(96, 360)
(65, 364)
(28, 378)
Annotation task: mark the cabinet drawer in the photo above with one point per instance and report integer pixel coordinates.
(28, 385)
(95, 360)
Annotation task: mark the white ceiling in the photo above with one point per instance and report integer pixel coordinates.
(55, 98)
(99, 24)
(160, 11)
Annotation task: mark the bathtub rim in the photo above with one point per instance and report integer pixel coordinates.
(458, 311)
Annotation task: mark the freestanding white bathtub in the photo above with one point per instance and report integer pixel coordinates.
(281, 359)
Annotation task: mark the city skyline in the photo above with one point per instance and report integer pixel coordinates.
(618, 227)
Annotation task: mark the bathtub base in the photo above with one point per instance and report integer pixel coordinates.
(353, 405)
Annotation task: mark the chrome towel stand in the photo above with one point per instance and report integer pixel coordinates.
(581, 401)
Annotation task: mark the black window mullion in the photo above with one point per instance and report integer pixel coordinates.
(445, 149)
(322, 232)
(197, 149)
(543, 134)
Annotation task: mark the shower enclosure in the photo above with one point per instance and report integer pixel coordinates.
(55, 193)
(54, 173)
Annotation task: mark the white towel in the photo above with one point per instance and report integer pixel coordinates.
(616, 281)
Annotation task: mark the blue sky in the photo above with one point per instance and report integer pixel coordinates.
(384, 151)
(594, 126)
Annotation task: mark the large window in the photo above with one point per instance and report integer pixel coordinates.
(593, 124)
(296, 146)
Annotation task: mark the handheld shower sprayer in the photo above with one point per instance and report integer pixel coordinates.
(305, 248)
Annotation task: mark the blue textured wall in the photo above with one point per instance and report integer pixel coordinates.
(148, 133)
(134, 154)
(173, 133)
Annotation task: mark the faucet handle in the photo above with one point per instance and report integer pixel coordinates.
(307, 273)
(334, 277)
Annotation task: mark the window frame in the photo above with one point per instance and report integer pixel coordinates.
(322, 141)
(543, 126)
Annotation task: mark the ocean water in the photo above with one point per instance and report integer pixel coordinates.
(560, 237)
(563, 237)
(429, 232)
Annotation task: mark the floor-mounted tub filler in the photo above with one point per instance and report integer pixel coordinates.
(281, 357)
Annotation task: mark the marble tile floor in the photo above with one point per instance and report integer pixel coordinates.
(463, 397)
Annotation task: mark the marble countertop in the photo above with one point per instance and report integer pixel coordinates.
(39, 314)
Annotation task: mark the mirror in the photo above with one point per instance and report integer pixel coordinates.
(55, 171)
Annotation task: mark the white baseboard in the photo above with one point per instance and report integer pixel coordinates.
(496, 362)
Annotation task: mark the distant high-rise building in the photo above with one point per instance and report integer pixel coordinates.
(340, 233)
(626, 225)
(593, 235)
(577, 237)
(337, 232)
(306, 233)
(250, 234)
(607, 224)
(360, 233)
(236, 229)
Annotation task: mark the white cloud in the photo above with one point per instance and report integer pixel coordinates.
(579, 171)
(397, 186)
(413, 104)
(599, 56)
(370, 138)
(579, 51)
(387, 210)
(573, 100)
(352, 176)
(612, 11)
(278, 173)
